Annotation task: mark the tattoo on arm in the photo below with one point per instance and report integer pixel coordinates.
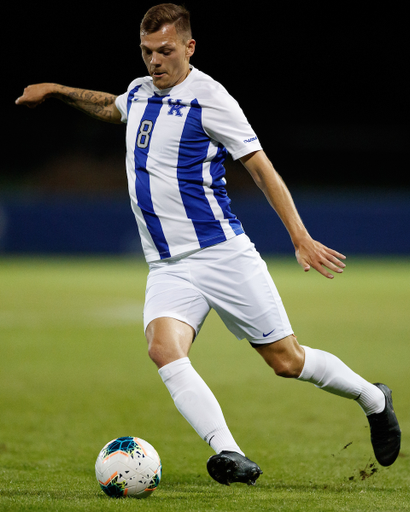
(96, 104)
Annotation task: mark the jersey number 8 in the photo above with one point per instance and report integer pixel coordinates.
(143, 134)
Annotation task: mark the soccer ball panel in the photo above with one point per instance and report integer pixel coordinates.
(128, 466)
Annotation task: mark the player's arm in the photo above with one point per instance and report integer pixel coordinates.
(99, 105)
(309, 253)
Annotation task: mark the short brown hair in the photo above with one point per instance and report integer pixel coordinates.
(162, 14)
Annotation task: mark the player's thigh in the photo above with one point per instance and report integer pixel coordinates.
(170, 294)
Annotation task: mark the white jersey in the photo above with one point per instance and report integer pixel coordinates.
(177, 141)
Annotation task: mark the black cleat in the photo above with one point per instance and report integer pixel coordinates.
(385, 432)
(227, 467)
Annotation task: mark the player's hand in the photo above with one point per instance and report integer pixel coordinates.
(33, 95)
(312, 254)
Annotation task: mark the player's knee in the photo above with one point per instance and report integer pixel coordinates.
(168, 341)
(289, 369)
(286, 357)
(160, 353)
(154, 352)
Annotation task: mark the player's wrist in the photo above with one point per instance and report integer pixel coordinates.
(301, 238)
(53, 90)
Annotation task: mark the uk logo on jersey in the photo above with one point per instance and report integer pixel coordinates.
(175, 107)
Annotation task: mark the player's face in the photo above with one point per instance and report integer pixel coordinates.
(166, 56)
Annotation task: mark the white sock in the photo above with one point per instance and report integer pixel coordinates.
(328, 372)
(197, 404)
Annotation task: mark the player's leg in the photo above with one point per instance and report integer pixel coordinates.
(326, 371)
(173, 314)
(248, 302)
(169, 342)
(329, 373)
(286, 357)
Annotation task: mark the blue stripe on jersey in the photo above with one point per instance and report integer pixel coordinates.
(131, 97)
(142, 180)
(193, 151)
(218, 186)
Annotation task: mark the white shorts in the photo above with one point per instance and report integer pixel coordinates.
(229, 277)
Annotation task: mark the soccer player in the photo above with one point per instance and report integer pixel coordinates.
(180, 125)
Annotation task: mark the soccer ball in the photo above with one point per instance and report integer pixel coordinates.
(128, 466)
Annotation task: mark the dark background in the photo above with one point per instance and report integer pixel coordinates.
(324, 85)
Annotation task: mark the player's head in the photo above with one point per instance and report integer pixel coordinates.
(167, 44)
(167, 14)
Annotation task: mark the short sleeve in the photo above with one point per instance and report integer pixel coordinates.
(224, 121)
(121, 104)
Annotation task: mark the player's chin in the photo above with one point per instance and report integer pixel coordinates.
(160, 80)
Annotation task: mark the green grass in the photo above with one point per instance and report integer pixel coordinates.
(74, 374)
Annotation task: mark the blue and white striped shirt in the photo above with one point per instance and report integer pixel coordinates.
(177, 142)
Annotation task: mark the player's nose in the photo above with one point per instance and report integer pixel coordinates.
(155, 59)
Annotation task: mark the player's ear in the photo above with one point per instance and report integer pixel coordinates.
(190, 48)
